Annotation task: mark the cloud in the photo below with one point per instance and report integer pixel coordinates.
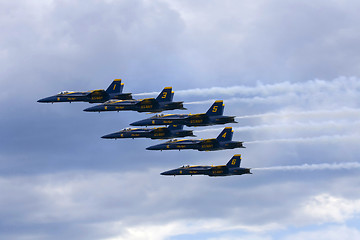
(326, 208)
(92, 200)
(329, 233)
(109, 205)
(278, 67)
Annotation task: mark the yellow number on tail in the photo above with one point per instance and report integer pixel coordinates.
(215, 108)
(114, 86)
(224, 135)
(164, 95)
(233, 162)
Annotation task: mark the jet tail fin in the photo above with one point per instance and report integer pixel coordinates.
(176, 127)
(234, 161)
(115, 87)
(216, 109)
(166, 95)
(225, 135)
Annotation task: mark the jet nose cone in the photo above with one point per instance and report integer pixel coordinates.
(140, 123)
(45, 100)
(109, 136)
(94, 109)
(155, 147)
(167, 173)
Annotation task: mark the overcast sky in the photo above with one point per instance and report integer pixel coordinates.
(289, 71)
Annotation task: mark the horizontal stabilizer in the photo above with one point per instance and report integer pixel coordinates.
(176, 127)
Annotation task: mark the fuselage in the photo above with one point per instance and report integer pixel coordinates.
(212, 171)
(96, 96)
(153, 133)
(146, 105)
(190, 120)
(200, 145)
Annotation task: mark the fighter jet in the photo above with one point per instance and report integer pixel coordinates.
(161, 103)
(213, 116)
(231, 168)
(114, 91)
(223, 141)
(154, 133)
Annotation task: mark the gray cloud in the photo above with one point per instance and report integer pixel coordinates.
(62, 181)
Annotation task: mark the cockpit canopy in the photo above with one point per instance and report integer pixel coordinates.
(63, 92)
(111, 101)
(186, 166)
(157, 116)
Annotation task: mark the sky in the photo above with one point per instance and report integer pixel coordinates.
(289, 71)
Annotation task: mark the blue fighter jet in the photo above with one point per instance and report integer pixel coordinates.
(114, 91)
(161, 103)
(213, 116)
(172, 131)
(231, 168)
(223, 141)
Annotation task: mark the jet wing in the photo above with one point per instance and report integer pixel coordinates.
(208, 141)
(148, 101)
(208, 144)
(159, 130)
(173, 116)
(123, 96)
(123, 102)
(97, 95)
(197, 116)
(183, 142)
(95, 92)
(72, 94)
(175, 144)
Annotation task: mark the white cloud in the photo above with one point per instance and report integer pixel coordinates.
(61, 180)
(325, 208)
(188, 227)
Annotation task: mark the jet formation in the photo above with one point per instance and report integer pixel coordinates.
(223, 141)
(113, 99)
(231, 168)
(114, 91)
